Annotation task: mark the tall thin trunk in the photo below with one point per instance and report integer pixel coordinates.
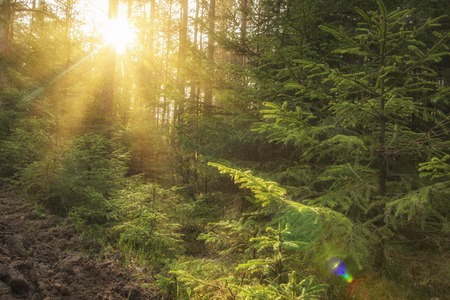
(211, 28)
(182, 54)
(167, 111)
(130, 9)
(5, 35)
(208, 101)
(69, 8)
(151, 34)
(33, 19)
(240, 57)
(113, 9)
(244, 19)
(107, 105)
(194, 95)
(194, 84)
(196, 23)
(149, 67)
(5, 26)
(382, 155)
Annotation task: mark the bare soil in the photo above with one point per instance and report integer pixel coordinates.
(42, 257)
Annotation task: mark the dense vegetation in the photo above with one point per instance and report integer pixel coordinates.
(240, 149)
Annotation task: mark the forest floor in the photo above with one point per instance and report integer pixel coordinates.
(42, 257)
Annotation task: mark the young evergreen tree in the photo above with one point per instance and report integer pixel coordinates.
(381, 85)
(383, 115)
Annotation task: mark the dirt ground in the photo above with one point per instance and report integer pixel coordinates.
(43, 258)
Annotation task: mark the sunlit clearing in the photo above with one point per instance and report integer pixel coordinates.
(118, 33)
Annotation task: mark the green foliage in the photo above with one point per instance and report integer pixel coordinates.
(77, 173)
(197, 279)
(350, 188)
(231, 238)
(9, 110)
(289, 126)
(291, 236)
(341, 114)
(294, 289)
(143, 224)
(428, 205)
(362, 119)
(263, 257)
(274, 254)
(375, 119)
(436, 168)
(265, 192)
(24, 146)
(305, 221)
(207, 279)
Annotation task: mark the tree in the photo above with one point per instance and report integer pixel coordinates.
(5, 38)
(208, 100)
(107, 96)
(5, 26)
(382, 117)
(396, 91)
(182, 55)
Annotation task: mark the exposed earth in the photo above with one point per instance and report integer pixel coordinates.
(42, 257)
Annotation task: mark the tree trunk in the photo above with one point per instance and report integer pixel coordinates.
(5, 26)
(107, 97)
(244, 19)
(33, 20)
(130, 8)
(69, 12)
(166, 105)
(194, 82)
(151, 35)
(5, 35)
(208, 101)
(182, 54)
(113, 9)
(382, 155)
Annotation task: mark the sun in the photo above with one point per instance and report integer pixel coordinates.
(118, 33)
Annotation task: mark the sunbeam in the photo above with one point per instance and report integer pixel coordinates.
(51, 81)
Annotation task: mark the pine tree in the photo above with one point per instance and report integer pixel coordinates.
(382, 105)
(376, 147)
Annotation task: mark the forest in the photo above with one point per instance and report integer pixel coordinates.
(238, 149)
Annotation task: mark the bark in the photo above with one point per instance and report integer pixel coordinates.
(5, 26)
(151, 35)
(107, 97)
(382, 156)
(5, 35)
(208, 101)
(244, 19)
(182, 54)
(69, 18)
(33, 18)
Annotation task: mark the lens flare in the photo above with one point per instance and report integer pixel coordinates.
(337, 267)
